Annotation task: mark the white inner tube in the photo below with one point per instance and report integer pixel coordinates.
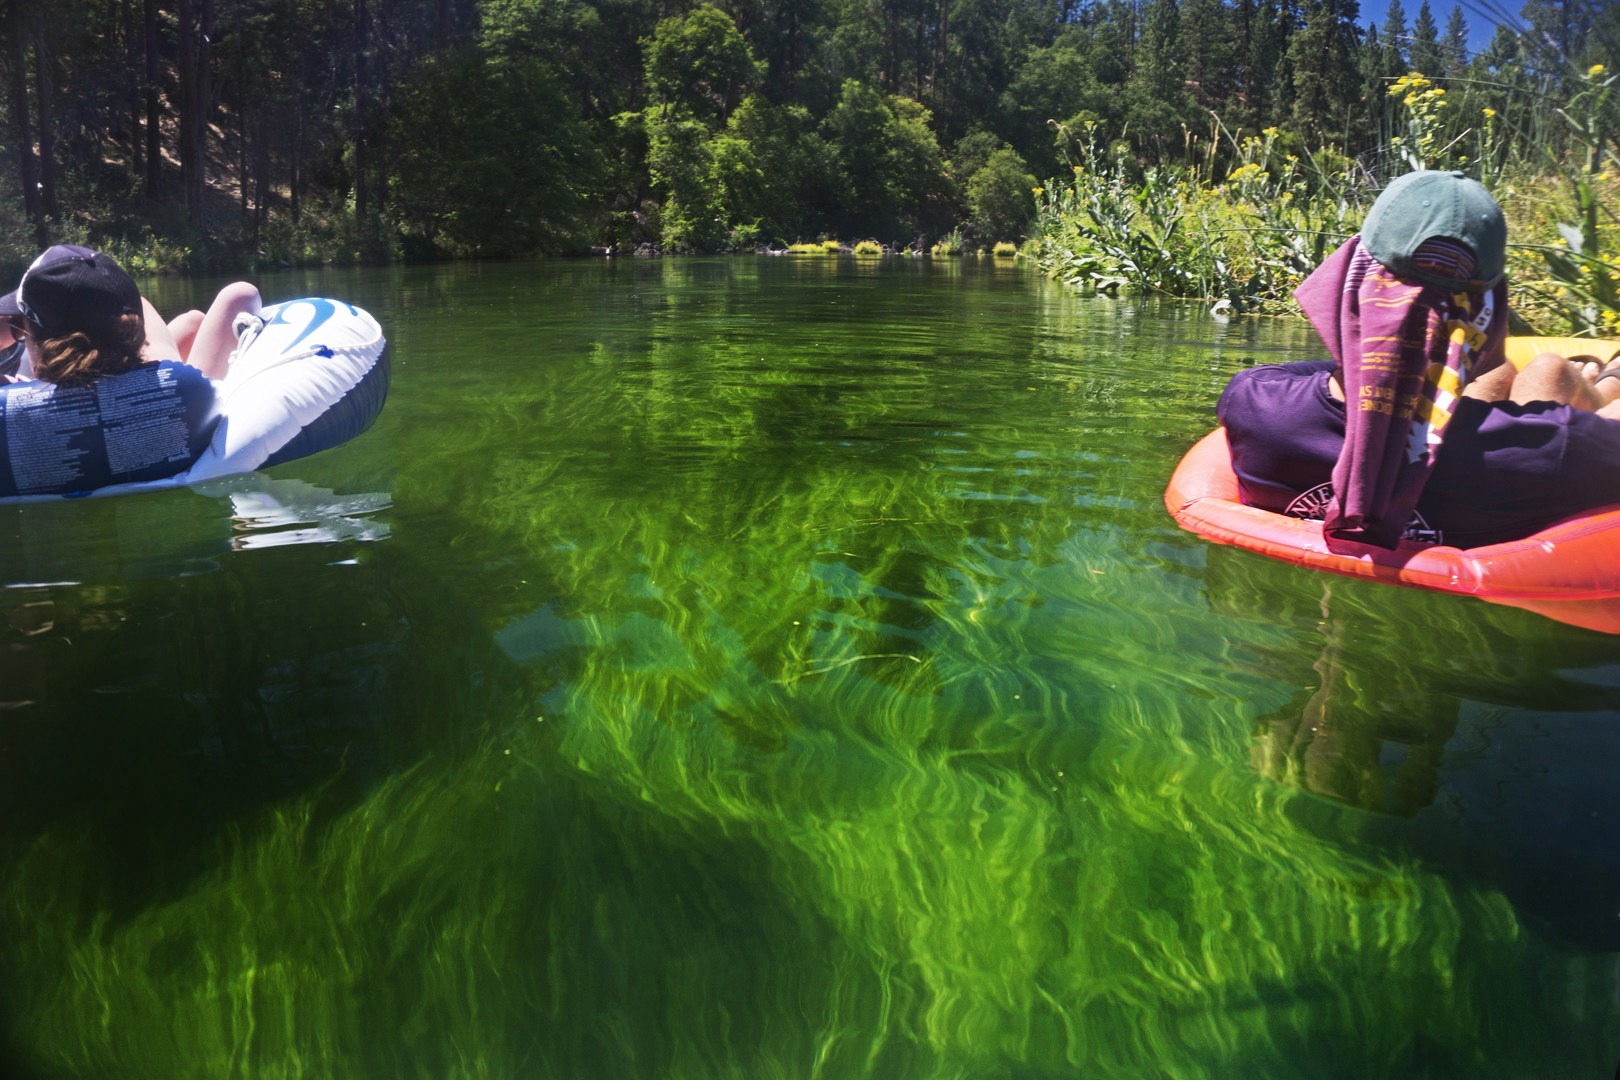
(307, 375)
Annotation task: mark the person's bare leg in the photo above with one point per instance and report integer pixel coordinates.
(1493, 385)
(183, 328)
(1606, 385)
(1550, 377)
(160, 343)
(216, 337)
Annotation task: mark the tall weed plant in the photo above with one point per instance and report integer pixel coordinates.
(1244, 240)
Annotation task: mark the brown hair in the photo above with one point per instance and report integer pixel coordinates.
(78, 359)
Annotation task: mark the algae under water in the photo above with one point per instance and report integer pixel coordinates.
(774, 668)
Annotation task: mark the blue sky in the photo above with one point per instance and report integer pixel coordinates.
(1483, 16)
(1481, 28)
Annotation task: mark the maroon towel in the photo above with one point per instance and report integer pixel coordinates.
(1406, 350)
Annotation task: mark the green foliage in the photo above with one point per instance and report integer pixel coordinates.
(1247, 241)
(791, 168)
(973, 152)
(819, 247)
(448, 127)
(1005, 250)
(699, 63)
(1566, 273)
(948, 245)
(490, 160)
(868, 248)
(999, 197)
(888, 162)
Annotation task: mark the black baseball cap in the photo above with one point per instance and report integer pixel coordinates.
(71, 289)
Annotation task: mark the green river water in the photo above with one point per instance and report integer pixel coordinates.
(767, 668)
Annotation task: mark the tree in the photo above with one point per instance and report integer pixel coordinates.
(1157, 101)
(999, 198)
(888, 163)
(1205, 42)
(491, 160)
(1322, 55)
(1426, 56)
(1454, 45)
(1393, 63)
(1259, 44)
(699, 64)
(698, 69)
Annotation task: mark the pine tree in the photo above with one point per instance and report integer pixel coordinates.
(1322, 55)
(1454, 44)
(1425, 55)
(1394, 63)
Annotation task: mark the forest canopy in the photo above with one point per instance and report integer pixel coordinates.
(213, 132)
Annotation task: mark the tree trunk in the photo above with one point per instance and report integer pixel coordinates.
(45, 91)
(187, 109)
(196, 19)
(295, 181)
(132, 66)
(27, 166)
(261, 181)
(154, 105)
(361, 109)
(380, 73)
(202, 99)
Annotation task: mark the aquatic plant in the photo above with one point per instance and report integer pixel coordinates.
(850, 713)
(1005, 250)
(868, 248)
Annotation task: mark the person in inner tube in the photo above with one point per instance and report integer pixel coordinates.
(1413, 312)
(79, 316)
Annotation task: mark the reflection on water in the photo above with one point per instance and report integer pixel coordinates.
(175, 534)
(273, 513)
(780, 668)
(1496, 744)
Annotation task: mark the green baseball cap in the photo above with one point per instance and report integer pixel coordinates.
(1431, 204)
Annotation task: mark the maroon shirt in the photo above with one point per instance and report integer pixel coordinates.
(1504, 471)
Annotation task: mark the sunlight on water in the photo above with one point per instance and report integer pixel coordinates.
(768, 669)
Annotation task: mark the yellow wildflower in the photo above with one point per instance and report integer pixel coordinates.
(1596, 71)
(1490, 114)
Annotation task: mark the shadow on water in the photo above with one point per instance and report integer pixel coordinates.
(1484, 738)
(160, 679)
(277, 801)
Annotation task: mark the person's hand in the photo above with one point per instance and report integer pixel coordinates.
(1589, 367)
